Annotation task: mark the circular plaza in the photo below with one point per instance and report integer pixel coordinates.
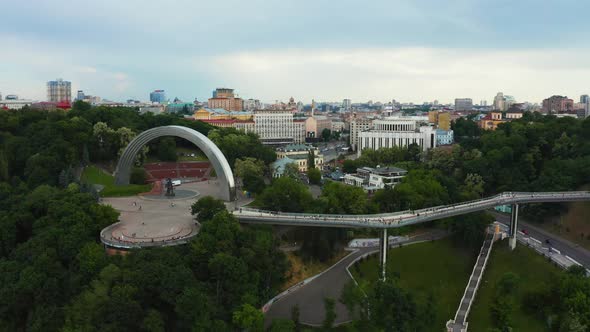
(151, 220)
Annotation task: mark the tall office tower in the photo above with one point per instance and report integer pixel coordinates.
(463, 104)
(584, 99)
(158, 96)
(346, 104)
(59, 91)
(80, 95)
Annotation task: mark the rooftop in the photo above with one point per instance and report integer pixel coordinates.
(382, 170)
(296, 147)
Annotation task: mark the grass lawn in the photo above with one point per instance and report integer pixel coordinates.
(533, 269)
(438, 267)
(94, 175)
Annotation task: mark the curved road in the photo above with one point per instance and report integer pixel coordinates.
(310, 297)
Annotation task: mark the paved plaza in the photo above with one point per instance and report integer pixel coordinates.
(157, 220)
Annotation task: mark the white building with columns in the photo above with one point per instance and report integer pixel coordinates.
(399, 132)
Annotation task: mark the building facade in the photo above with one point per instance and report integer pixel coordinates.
(491, 121)
(371, 179)
(442, 120)
(274, 126)
(463, 104)
(396, 132)
(226, 99)
(158, 96)
(444, 137)
(347, 104)
(252, 104)
(15, 104)
(357, 125)
(557, 104)
(300, 154)
(59, 91)
(499, 102)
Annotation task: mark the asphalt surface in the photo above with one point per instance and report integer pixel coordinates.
(566, 247)
(310, 297)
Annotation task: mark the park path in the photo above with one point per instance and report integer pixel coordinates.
(310, 297)
(459, 324)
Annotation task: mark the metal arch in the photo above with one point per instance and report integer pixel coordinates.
(216, 157)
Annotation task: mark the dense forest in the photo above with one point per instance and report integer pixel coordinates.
(54, 273)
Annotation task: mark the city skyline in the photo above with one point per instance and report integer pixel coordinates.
(403, 50)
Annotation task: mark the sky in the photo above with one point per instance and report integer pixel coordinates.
(410, 51)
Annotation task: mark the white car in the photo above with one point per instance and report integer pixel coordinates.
(176, 183)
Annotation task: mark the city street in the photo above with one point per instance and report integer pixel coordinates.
(566, 247)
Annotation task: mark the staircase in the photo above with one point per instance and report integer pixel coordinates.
(459, 324)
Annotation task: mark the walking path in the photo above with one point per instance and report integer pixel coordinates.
(459, 324)
(310, 295)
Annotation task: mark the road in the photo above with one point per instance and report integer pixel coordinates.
(566, 247)
(310, 297)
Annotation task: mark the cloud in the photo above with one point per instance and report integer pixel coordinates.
(410, 74)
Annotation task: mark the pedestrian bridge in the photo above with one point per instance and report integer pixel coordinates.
(404, 218)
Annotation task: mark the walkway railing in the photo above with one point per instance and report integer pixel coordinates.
(460, 324)
(407, 217)
(107, 239)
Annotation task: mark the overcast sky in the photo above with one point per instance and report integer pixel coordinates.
(413, 51)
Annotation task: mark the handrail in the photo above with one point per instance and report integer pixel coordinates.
(401, 218)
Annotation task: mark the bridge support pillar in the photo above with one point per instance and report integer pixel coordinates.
(383, 246)
(513, 227)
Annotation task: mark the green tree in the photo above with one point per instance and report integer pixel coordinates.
(167, 149)
(206, 208)
(282, 325)
(251, 171)
(310, 159)
(287, 195)
(249, 318)
(314, 175)
(153, 322)
(326, 134)
(292, 171)
(138, 176)
(338, 198)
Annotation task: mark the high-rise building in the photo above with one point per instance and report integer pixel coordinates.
(463, 104)
(158, 96)
(80, 95)
(584, 99)
(225, 98)
(499, 102)
(59, 91)
(557, 104)
(346, 104)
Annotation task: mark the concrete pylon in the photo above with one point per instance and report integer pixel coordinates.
(513, 227)
(383, 246)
